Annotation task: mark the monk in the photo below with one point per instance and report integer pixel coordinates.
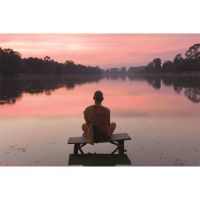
(97, 117)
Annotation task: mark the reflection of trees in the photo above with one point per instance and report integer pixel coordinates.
(116, 76)
(12, 90)
(9, 91)
(178, 89)
(154, 81)
(193, 94)
(189, 85)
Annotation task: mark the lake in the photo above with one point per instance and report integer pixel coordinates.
(160, 113)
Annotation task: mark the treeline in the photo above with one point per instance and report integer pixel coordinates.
(12, 64)
(191, 62)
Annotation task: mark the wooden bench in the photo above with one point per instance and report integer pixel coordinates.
(116, 139)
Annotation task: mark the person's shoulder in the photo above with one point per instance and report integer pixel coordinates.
(106, 108)
(89, 107)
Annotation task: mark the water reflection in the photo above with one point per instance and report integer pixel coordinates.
(157, 111)
(11, 90)
(189, 85)
(98, 160)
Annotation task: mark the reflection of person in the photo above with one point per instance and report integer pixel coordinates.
(97, 127)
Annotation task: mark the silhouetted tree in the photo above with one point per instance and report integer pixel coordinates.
(191, 62)
(193, 52)
(168, 66)
(178, 58)
(149, 67)
(157, 64)
(178, 63)
(9, 62)
(154, 66)
(47, 58)
(12, 64)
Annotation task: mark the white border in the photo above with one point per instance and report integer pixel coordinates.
(99, 183)
(99, 16)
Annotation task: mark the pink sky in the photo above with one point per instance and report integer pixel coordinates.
(104, 50)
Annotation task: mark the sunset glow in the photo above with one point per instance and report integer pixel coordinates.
(104, 50)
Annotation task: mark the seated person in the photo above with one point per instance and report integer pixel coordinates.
(97, 127)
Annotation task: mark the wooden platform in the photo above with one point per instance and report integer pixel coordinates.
(116, 139)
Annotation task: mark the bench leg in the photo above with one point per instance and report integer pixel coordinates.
(115, 150)
(76, 147)
(80, 150)
(121, 147)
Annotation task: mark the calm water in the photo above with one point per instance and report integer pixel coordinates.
(161, 114)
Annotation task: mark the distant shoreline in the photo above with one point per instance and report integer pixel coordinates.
(166, 74)
(103, 75)
(25, 76)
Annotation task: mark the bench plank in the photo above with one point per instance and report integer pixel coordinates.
(77, 140)
(120, 136)
(114, 137)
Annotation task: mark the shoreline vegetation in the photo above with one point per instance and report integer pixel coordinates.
(12, 65)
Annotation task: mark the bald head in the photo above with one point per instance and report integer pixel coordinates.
(98, 97)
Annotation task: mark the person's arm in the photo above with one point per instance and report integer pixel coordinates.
(88, 115)
(108, 125)
(108, 117)
(85, 117)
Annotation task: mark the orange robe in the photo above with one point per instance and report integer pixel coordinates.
(97, 118)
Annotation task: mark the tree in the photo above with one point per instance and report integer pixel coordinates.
(193, 52)
(154, 66)
(10, 61)
(149, 67)
(178, 58)
(47, 58)
(12, 64)
(157, 63)
(69, 62)
(168, 66)
(178, 63)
